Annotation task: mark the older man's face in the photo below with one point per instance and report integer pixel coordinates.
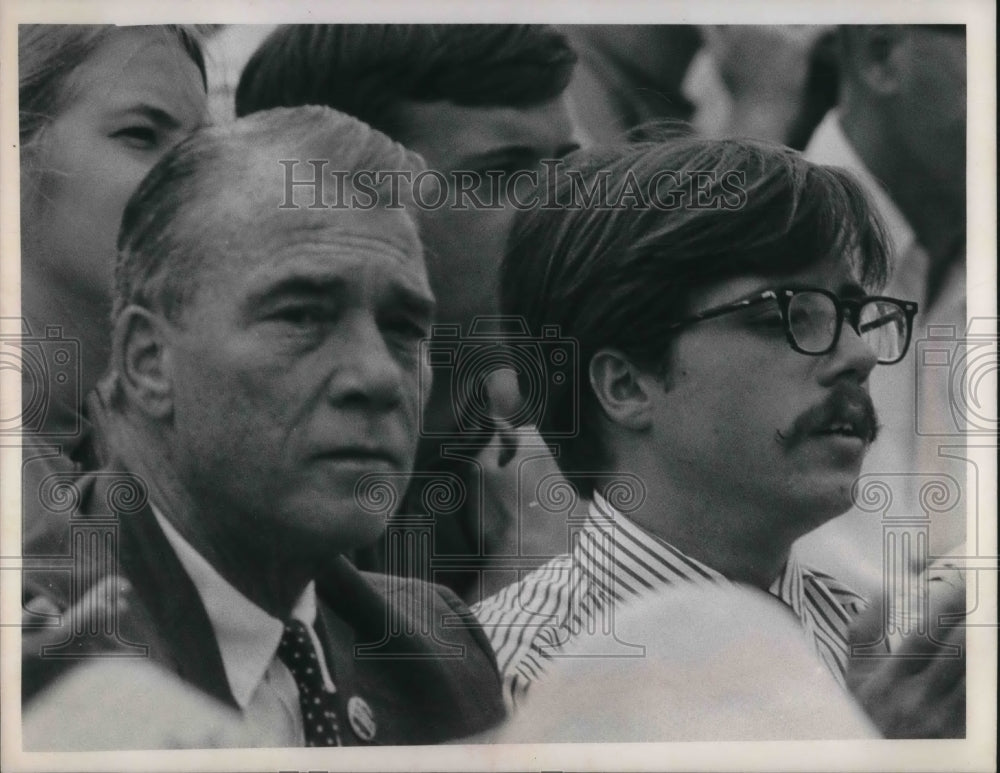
(295, 370)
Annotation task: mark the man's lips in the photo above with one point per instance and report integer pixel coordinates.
(847, 412)
(359, 455)
(851, 419)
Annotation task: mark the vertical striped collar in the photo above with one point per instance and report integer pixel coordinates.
(622, 559)
(613, 559)
(632, 559)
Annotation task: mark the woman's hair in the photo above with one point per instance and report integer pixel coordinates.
(47, 55)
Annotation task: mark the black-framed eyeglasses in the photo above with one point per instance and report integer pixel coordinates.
(813, 318)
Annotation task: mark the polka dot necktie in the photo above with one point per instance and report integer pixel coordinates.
(319, 716)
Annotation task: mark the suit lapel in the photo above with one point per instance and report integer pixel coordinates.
(181, 622)
(355, 600)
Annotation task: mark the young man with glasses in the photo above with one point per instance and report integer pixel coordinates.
(720, 407)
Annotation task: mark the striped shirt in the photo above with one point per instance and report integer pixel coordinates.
(613, 559)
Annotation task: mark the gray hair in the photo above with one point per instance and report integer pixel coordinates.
(198, 197)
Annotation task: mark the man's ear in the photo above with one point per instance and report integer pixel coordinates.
(622, 389)
(141, 355)
(877, 56)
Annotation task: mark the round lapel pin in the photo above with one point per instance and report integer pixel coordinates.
(359, 714)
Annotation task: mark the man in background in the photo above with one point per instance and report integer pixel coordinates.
(900, 127)
(770, 82)
(629, 74)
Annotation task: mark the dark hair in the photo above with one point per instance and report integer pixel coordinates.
(199, 198)
(367, 70)
(618, 277)
(49, 53)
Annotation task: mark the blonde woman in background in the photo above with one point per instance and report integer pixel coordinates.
(98, 106)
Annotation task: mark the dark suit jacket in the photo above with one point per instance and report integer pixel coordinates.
(411, 650)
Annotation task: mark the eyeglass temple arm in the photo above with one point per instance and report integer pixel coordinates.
(718, 311)
(905, 309)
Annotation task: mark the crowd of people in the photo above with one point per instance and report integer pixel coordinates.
(337, 466)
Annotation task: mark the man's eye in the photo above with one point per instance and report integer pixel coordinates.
(769, 321)
(302, 316)
(802, 317)
(406, 330)
(137, 136)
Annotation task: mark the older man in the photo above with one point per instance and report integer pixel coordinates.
(484, 104)
(265, 359)
(721, 300)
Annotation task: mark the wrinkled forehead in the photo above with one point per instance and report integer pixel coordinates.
(276, 193)
(351, 242)
(390, 231)
(237, 211)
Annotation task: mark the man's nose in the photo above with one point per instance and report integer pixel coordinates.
(369, 375)
(852, 357)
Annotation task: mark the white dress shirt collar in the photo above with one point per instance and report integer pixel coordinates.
(247, 636)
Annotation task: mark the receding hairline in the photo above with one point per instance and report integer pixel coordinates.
(208, 192)
(316, 236)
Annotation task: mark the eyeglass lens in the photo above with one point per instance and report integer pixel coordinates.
(812, 320)
(883, 328)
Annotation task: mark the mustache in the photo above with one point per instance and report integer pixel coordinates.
(847, 404)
